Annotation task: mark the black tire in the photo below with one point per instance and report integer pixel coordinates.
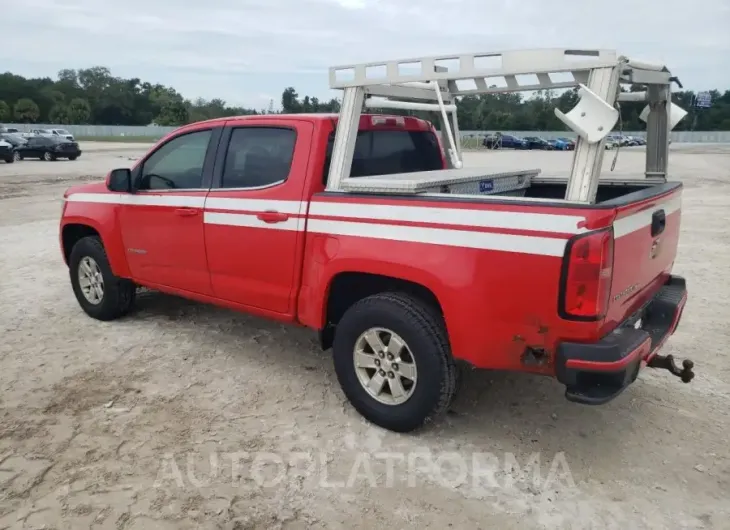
(422, 329)
(72, 157)
(48, 156)
(9, 160)
(119, 293)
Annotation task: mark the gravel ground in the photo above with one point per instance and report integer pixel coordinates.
(188, 416)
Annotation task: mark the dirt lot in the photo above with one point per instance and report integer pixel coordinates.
(188, 416)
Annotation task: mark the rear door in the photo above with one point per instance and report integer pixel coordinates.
(646, 235)
(254, 213)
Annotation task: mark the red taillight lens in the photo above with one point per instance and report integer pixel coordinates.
(587, 276)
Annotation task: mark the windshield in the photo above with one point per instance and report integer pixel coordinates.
(62, 131)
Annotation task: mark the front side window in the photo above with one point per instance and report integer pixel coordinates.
(178, 164)
(258, 156)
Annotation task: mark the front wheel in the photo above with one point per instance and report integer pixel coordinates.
(17, 156)
(48, 156)
(72, 157)
(100, 294)
(393, 361)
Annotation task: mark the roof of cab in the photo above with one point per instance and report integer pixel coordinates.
(420, 123)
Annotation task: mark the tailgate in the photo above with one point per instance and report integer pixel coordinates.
(646, 235)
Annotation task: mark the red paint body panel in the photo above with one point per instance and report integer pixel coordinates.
(166, 245)
(482, 293)
(104, 219)
(635, 267)
(496, 303)
(259, 264)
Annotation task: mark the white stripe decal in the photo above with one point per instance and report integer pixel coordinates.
(139, 199)
(637, 221)
(566, 224)
(248, 220)
(438, 236)
(253, 205)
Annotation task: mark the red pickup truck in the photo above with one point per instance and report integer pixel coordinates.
(234, 212)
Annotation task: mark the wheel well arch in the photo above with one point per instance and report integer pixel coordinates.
(347, 288)
(72, 233)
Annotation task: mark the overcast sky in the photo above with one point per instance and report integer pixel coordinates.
(248, 51)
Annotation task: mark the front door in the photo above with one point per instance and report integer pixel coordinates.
(254, 215)
(34, 148)
(162, 224)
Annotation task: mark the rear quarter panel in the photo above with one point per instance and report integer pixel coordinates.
(494, 268)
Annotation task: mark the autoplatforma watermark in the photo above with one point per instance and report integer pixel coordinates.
(480, 471)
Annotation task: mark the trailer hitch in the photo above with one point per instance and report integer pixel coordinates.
(667, 362)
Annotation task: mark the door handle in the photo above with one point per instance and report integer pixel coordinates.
(272, 217)
(187, 212)
(658, 222)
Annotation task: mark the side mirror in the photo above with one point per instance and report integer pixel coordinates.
(120, 180)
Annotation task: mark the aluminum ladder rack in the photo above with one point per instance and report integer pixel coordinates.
(431, 84)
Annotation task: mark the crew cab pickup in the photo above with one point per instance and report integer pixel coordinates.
(234, 212)
(368, 229)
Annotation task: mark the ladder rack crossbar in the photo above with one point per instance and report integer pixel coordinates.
(510, 63)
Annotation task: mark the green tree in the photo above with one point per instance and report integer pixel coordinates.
(59, 115)
(4, 111)
(79, 111)
(290, 101)
(173, 112)
(26, 111)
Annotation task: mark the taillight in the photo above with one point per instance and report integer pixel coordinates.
(587, 275)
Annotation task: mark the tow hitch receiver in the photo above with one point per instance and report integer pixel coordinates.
(667, 362)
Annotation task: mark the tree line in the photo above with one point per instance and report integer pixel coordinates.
(94, 96)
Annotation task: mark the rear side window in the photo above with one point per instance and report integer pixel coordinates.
(385, 152)
(258, 156)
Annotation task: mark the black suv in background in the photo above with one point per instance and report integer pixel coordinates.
(48, 148)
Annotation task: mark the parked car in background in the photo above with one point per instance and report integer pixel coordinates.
(558, 144)
(619, 139)
(535, 142)
(569, 141)
(48, 148)
(6, 152)
(504, 141)
(61, 133)
(636, 140)
(15, 139)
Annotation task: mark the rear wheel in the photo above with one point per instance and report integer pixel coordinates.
(393, 361)
(100, 294)
(17, 156)
(9, 160)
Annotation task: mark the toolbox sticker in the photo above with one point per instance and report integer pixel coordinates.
(486, 185)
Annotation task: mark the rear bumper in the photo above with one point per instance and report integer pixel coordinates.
(596, 373)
